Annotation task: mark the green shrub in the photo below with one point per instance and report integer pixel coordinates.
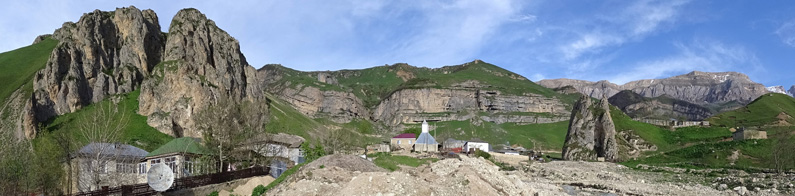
(259, 190)
(483, 154)
(214, 193)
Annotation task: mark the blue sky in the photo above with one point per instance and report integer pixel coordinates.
(616, 40)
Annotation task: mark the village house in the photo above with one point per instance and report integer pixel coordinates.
(286, 147)
(747, 134)
(426, 142)
(476, 144)
(453, 145)
(376, 148)
(105, 164)
(182, 156)
(403, 141)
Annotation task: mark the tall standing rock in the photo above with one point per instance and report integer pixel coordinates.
(104, 53)
(201, 63)
(591, 133)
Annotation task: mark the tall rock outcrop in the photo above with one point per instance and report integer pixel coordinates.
(791, 91)
(591, 133)
(104, 53)
(602, 88)
(201, 64)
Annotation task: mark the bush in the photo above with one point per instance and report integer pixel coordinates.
(259, 190)
(483, 154)
(214, 193)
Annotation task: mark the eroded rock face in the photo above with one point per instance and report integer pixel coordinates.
(791, 91)
(411, 105)
(201, 63)
(694, 87)
(663, 107)
(591, 133)
(104, 53)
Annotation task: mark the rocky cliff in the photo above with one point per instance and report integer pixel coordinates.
(591, 132)
(104, 53)
(715, 89)
(791, 91)
(404, 94)
(201, 64)
(663, 107)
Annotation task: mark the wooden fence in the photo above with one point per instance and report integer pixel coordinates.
(180, 183)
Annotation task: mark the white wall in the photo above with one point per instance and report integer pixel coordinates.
(482, 146)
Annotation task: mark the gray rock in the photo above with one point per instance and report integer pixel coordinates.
(41, 38)
(791, 91)
(723, 187)
(104, 53)
(591, 132)
(201, 64)
(741, 190)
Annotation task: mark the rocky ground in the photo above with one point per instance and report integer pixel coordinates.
(350, 175)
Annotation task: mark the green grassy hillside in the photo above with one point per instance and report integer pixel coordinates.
(136, 132)
(18, 66)
(769, 109)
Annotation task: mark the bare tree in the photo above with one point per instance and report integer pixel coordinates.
(228, 124)
(101, 131)
(781, 156)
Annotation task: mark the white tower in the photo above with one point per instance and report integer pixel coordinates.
(425, 126)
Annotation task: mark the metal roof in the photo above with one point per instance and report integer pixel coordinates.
(426, 138)
(112, 149)
(406, 135)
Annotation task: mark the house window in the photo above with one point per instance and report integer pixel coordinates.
(409, 141)
(398, 141)
(154, 161)
(172, 163)
(141, 168)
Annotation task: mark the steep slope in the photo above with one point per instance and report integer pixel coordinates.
(791, 91)
(701, 88)
(201, 63)
(662, 107)
(19, 67)
(769, 109)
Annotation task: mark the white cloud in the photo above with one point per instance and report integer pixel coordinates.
(537, 77)
(787, 33)
(700, 55)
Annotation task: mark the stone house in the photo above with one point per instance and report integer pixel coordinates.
(284, 147)
(403, 141)
(182, 156)
(105, 164)
(743, 134)
(376, 148)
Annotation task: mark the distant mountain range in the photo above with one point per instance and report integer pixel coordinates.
(780, 89)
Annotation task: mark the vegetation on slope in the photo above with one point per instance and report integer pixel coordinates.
(391, 162)
(768, 109)
(136, 132)
(20, 65)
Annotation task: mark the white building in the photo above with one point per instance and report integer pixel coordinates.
(476, 144)
(280, 145)
(426, 142)
(105, 164)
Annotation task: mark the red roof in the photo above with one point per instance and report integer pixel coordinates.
(406, 135)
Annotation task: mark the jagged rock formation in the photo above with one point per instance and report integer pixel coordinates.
(662, 107)
(201, 64)
(41, 38)
(695, 87)
(591, 133)
(104, 53)
(602, 88)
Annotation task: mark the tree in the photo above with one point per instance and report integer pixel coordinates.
(781, 156)
(228, 124)
(105, 127)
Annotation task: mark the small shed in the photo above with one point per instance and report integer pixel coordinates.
(743, 134)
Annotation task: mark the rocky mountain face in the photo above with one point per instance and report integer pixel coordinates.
(602, 88)
(591, 133)
(791, 91)
(720, 90)
(780, 89)
(201, 64)
(179, 73)
(663, 107)
(403, 94)
(104, 53)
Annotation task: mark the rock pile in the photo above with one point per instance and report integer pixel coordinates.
(591, 133)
